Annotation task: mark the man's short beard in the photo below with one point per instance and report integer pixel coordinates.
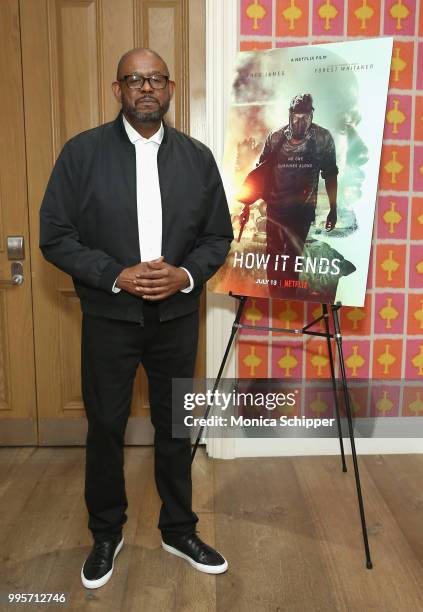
(152, 117)
(147, 117)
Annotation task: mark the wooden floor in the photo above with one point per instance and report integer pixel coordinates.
(289, 528)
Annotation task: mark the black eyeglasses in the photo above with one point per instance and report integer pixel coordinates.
(136, 81)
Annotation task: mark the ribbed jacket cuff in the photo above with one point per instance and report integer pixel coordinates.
(109, 276)
(195, 271)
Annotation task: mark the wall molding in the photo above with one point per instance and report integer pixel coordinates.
(222, 33)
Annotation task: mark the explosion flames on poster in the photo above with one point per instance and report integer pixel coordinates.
(301, 169)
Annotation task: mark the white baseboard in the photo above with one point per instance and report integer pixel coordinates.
(324, 446)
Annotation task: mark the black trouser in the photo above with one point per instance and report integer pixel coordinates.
(287, 230)
(111, 353)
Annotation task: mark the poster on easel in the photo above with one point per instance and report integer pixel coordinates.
(301, 167)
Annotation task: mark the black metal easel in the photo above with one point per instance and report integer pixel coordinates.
(328, 335)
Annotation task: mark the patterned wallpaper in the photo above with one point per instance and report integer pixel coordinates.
(383, 340)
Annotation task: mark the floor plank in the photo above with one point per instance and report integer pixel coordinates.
(397, 577)
(289, 528)
(399, 480)
(264, 526)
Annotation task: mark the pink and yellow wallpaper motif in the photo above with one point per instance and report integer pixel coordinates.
(383, 340)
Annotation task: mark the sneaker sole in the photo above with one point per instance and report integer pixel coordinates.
(95, 584)
(208, 569)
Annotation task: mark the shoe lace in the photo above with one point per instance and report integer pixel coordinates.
(99, 553)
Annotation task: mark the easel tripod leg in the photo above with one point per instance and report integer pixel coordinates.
(335, 394)
(242, 300)
(338, 339)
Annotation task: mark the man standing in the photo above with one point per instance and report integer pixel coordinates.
(295, 157)
(136, 213)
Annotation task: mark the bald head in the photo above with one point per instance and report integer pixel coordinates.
(137, 55)
(144, 97)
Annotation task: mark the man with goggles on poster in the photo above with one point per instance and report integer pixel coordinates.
(295, 156)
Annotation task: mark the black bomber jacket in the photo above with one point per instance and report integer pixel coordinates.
(89, 223)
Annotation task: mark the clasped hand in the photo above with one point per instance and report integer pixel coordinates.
(153, 280)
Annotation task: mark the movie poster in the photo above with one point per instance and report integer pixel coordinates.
(301, 168)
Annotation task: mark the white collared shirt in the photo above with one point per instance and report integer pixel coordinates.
(149, 201)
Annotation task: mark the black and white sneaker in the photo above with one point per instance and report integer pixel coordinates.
(196, 552)
(98, 568)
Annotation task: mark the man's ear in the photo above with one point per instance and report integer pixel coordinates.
(171, 86)
(117, 91)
